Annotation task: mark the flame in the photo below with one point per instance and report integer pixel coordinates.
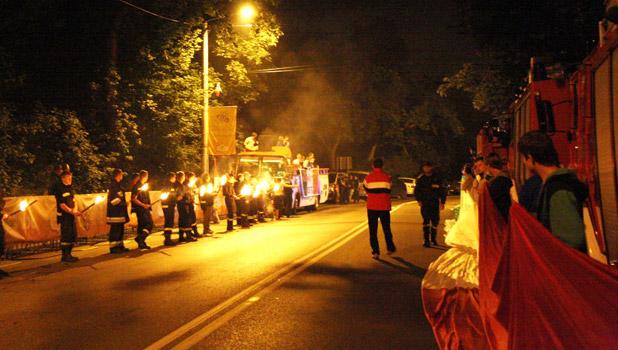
(264, 185)
(223, 180)
(165, 196)
(277, 187)
(210, 188)
(256, 193)
(144, 187)
(245, 191)
(23, 205)
(99, 199)
(192, 182)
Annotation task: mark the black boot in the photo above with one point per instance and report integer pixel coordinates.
(141, 242)
(426, 233)
(3, 274)
(189, 237)
(230, 225)
(66, 254)
(168, 238)
(196, 233)
(434, 233)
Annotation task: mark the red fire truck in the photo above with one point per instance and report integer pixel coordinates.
(579, 113)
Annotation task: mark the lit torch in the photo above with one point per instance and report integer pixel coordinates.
(223, 180)
(164, 196)
(245, 191)
(23, 205)
(277, 188)
(144, 187)
(97, 200)
(192, 182)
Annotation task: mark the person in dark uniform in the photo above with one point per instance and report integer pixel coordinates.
(169, 208)
(242, 204)
(430, 193)
(278, 198)
(192, 185)
(65, 202)
(229, 195)
(183, 203)
(117, 214)
(207, 201)
(288, 196)
(140, 198)
(499, 184)
(55, 180)
(3, 217)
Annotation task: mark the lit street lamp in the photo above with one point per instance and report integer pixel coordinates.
(247, 13)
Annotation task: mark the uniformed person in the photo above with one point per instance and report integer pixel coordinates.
(117, 214)
(3, 217)
(65, 203)
(192, 184)
(169, 208)
(207, 195)
(288, 197)
(184, 201)
(430, 193)
(242, 201)
(278, 198)
(140, 199)
(229, 195)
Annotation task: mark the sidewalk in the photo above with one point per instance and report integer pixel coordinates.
(29, 264)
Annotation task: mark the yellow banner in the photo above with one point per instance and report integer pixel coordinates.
(222, 130)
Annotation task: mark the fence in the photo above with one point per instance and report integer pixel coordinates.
(36, 229)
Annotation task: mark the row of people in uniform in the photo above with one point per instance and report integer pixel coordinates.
(246, 200)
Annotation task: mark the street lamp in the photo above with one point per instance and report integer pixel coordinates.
(247, 13)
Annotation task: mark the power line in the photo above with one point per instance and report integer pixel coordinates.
(151, 13)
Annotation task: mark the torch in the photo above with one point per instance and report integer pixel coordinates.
(144, 187)
(245, 191)
(163, 197)
(97, 200)
(206, 189)
(23, 205)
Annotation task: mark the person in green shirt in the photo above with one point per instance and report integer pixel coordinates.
(561, 201)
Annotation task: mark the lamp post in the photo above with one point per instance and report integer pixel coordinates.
(205, 122)
(246, 13)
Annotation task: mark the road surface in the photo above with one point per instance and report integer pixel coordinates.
(304, 283)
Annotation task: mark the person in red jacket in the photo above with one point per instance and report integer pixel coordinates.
(378, 187)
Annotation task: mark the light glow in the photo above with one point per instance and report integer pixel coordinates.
(23, 205)
(247, 12)
(99, 199)
(192, 182)
(144, 187)
(165, 195)
(245, 191)
(223, 180)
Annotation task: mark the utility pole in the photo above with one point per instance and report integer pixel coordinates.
(205, 121)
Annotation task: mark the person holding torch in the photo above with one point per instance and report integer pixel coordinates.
(207, 201)
(168, 203)
(229, 194)
(192, 184)
(65, 202)
(117, 214)
(140, 198)
(184, 202)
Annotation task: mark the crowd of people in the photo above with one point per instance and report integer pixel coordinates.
(552, 194)
(247, 200)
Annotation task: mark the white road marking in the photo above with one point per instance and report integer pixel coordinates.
(253, 293)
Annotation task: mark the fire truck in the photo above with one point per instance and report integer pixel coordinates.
(578, 111)
(310, 186)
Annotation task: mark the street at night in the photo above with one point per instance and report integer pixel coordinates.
(304, 283)
(308, 174)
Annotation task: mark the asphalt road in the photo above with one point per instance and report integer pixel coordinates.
(304, 283)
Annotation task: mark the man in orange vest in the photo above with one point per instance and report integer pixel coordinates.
(378, 187)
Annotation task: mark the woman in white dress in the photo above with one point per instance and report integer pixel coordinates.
(450, 286)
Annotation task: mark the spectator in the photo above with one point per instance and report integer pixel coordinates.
(561, 201)
(251, 143)
(499, 184)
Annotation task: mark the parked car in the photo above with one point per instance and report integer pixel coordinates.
(409, 184)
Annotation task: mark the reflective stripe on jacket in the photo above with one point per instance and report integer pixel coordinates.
(378, 187)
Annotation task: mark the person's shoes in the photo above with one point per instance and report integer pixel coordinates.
(426, 244)
(391, 252)
(375, 256)
(209, 233)
(3, 274)
(169, 243)
(434, 243)
(69, 259)
(115, 250)
(123, 249)
(143, 246)
(190, 238)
